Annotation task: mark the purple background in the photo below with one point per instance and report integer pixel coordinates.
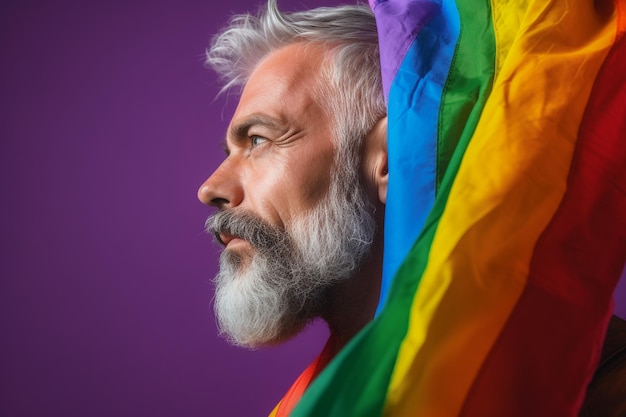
(107, 128)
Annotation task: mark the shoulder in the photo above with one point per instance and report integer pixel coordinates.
(606, 394)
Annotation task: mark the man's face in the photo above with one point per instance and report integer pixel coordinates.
(289, 229)
(279, 144)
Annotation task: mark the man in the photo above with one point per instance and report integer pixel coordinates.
(301, 194)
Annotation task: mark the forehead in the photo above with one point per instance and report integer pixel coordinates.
(284, 85)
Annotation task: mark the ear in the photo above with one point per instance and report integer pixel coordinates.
(374, 159)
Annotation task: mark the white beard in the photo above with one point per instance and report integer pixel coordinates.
(269, 294)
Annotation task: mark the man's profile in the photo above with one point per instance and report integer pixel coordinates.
(303, 192)
(300, 197)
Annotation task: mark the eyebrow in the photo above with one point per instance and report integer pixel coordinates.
(240, 130)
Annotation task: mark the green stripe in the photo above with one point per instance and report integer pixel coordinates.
(355, 383)
(466, 91)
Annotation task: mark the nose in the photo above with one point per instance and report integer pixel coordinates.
(222, 189)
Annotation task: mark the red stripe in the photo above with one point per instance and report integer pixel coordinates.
(295, 392)
(550, 346)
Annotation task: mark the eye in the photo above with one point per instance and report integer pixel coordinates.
(256, 140)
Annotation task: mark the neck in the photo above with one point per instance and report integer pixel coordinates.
(352, 304)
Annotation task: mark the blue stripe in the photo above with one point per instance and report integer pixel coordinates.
(413, 108)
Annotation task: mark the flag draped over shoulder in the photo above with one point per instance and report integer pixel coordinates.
(505, 230)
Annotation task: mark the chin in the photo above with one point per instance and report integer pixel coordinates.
(245, 340)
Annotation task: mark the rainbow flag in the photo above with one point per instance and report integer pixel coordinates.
(505, 229)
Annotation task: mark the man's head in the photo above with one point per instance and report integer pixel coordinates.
(306, 168)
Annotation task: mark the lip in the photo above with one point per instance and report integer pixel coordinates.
(229, 240)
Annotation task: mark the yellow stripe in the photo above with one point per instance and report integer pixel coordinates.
(508, 187)
(274, 412)
(507, 17)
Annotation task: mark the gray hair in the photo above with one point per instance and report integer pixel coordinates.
(351, 86)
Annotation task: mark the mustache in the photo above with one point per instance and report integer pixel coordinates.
(247, 226)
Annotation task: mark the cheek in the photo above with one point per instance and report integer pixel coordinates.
(276, 190)
(310, 176)
(296, 185)
(284, 184)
